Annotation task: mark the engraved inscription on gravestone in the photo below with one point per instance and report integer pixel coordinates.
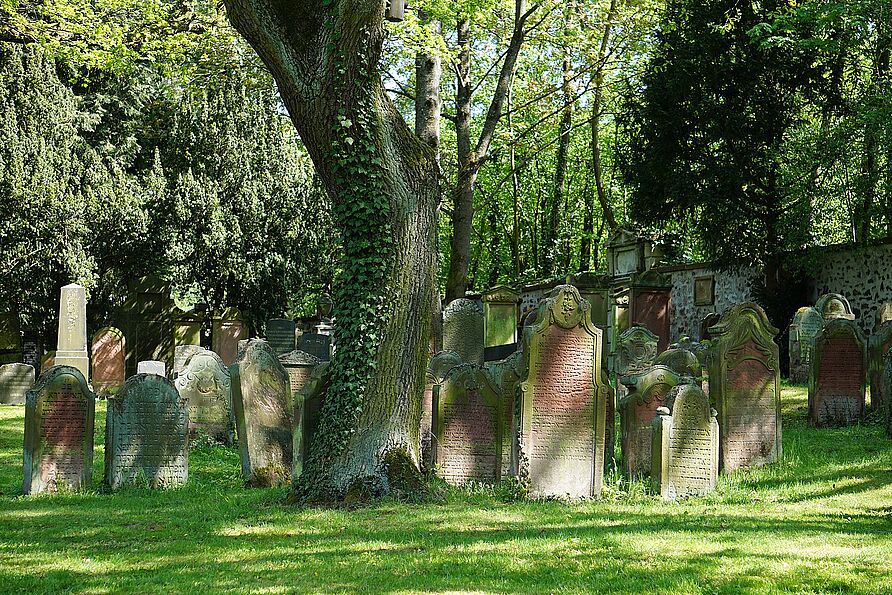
(59, 413)
(15, 382)
(280, 335)
(261, 401)
(205, 385)
(685, 446)
(31, 349)
(317, 345)
(836, 386)
(744, 384)
(146, 434)
(563, 400)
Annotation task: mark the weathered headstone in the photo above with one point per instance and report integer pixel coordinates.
(636, 351)
(837, 383)
(261, 401)
(108, 360)
(15, 382)
(563, 400)
(878, 346)
(744, 384)
(685, 450)
(807, 323)
(681, 361)
(151, 367)
(307, 409)
(471, 424)
(647, 392)
(32, 349)
(280, 335)
(205, 385)
(834, 305)
(181, 355)
(10, 338)
(500, 312)
(146, 434)
(227, 330)
(463, 330)
(884, 313)
(707, 323)
(319, 346)
(59, 414)
(71, 349)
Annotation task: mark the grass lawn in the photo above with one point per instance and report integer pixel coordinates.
(821, 520)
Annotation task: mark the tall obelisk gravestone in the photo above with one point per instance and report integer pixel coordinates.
(71, 349)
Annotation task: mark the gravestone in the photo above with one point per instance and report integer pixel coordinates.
(59, 414)
(10, 338)
(471, 427)
(681, 361)
(836, 385)
(147, 434)
(500, 306)
(32, 349)
(648, 390)
(71, 348)
(685, 449)
(317, 345)
(807, 323)
(261, 402)
(833, 306)
(15, 382)
(744, 385)
(227, 330)
(878, 346)
(205, 385)
(151, 367)
(307, 408)
(650, 304)
(280, 335)
(108, 360)
(463, 330)
(707, 323)
(563, 405)
(884, 313)
(636, 351)
(181, 355)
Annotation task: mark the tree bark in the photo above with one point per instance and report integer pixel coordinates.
(597, 100)
(325, 61)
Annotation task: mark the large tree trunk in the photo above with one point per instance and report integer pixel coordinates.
(384, 186)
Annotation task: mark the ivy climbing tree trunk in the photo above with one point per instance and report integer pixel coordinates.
(384, 188)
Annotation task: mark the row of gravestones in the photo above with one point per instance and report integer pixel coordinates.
(149, 421)
(541, 413)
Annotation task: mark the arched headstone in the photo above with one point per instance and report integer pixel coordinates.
(685, 445)
(147, 434)
(833, 306)
(837, 383)
(744, 385)
(636, 351)
(205, 385)
(261, 402)
(463, 330)
(59, 414)
(681, 361)
(563, 400)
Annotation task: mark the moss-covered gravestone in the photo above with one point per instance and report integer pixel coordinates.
(15, 382)
(682, 361)
(560, 445)
(59, 414)
(744, 385)
(833, 305)
(685, 449)
(306, 407)
(807, 323)
(648, 392)
(205, 384)
(500, 314)
(261, 400)
(636, 351)
(472, 425)
(463, 330)
(837, 383)
(147, 434)
(879, 344)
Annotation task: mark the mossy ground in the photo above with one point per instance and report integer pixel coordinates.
(819, 521)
